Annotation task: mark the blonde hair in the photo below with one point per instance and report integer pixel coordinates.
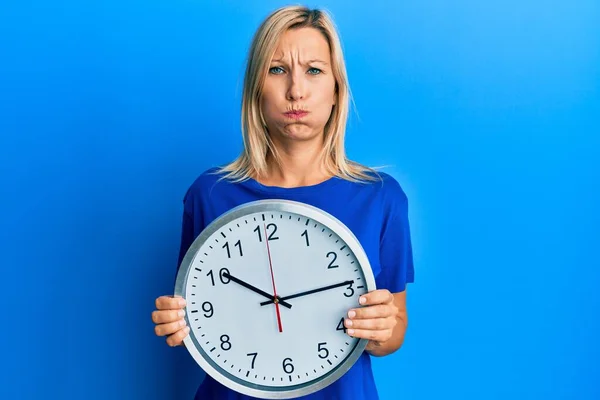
(252, 162)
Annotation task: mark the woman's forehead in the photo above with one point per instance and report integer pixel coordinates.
(306, 44)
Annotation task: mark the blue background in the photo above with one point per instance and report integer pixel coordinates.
(488, 113)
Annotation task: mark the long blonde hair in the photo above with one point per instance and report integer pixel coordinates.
(252, 162)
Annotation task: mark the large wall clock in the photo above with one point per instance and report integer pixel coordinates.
(267, 286)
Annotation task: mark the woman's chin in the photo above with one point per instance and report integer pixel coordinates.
(300, 133)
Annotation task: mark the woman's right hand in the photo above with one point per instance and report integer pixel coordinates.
(169, 320)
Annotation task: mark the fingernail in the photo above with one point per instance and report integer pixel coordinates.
(181, 313)
(182, 302)
(348, 322)
(362, 300)
(182, 322)
(351, 314)
(187, 329)
(350, 331)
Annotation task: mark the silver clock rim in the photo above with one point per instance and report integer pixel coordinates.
(269, 205)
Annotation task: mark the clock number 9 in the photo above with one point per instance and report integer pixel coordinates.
(207, 307)
(287, 366)
(271, 235)
(224, 280)
(322, 348)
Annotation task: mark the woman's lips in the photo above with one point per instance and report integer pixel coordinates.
(298, 114)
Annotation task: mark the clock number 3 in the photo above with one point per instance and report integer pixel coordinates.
(350, 289)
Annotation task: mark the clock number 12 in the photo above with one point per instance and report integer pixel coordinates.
(272, 236)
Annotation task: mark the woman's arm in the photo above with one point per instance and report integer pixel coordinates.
(377, 348)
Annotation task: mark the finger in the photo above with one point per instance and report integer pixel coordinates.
(165, 316)
(378, 336)
(380, 296)
(376, 324)
(177, 338)
(377, 311)
(170, 328)
(170, 303)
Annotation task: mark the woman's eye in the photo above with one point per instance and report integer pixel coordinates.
(314, 71)
(276, 70)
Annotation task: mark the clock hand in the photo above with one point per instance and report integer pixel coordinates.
(255, 289)
(293, 296)
(275, 299)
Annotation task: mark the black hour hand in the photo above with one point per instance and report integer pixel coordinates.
(256, 290)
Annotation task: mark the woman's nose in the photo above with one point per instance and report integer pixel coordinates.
(296, 87)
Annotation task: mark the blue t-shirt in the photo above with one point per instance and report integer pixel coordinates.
(376, 212)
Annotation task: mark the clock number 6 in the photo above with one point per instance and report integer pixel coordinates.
(287, 366)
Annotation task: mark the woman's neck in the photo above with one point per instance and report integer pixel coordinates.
(297, 167)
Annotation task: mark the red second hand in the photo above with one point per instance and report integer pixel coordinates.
(273, 281)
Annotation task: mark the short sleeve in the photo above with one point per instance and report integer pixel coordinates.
(191, 223)
(395, 253)
(187, 236)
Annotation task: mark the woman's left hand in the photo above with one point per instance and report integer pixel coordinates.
(374, 321)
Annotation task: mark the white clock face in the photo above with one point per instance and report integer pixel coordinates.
(247, 340)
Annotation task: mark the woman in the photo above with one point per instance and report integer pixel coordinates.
(294, 111)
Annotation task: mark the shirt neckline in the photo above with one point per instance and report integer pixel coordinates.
(292, 190)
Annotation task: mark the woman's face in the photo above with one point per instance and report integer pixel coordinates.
(299, 91)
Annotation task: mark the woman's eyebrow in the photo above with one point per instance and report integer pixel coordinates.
(314, 60)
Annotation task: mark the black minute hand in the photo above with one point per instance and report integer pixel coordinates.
(293, 296)
(256, 290)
